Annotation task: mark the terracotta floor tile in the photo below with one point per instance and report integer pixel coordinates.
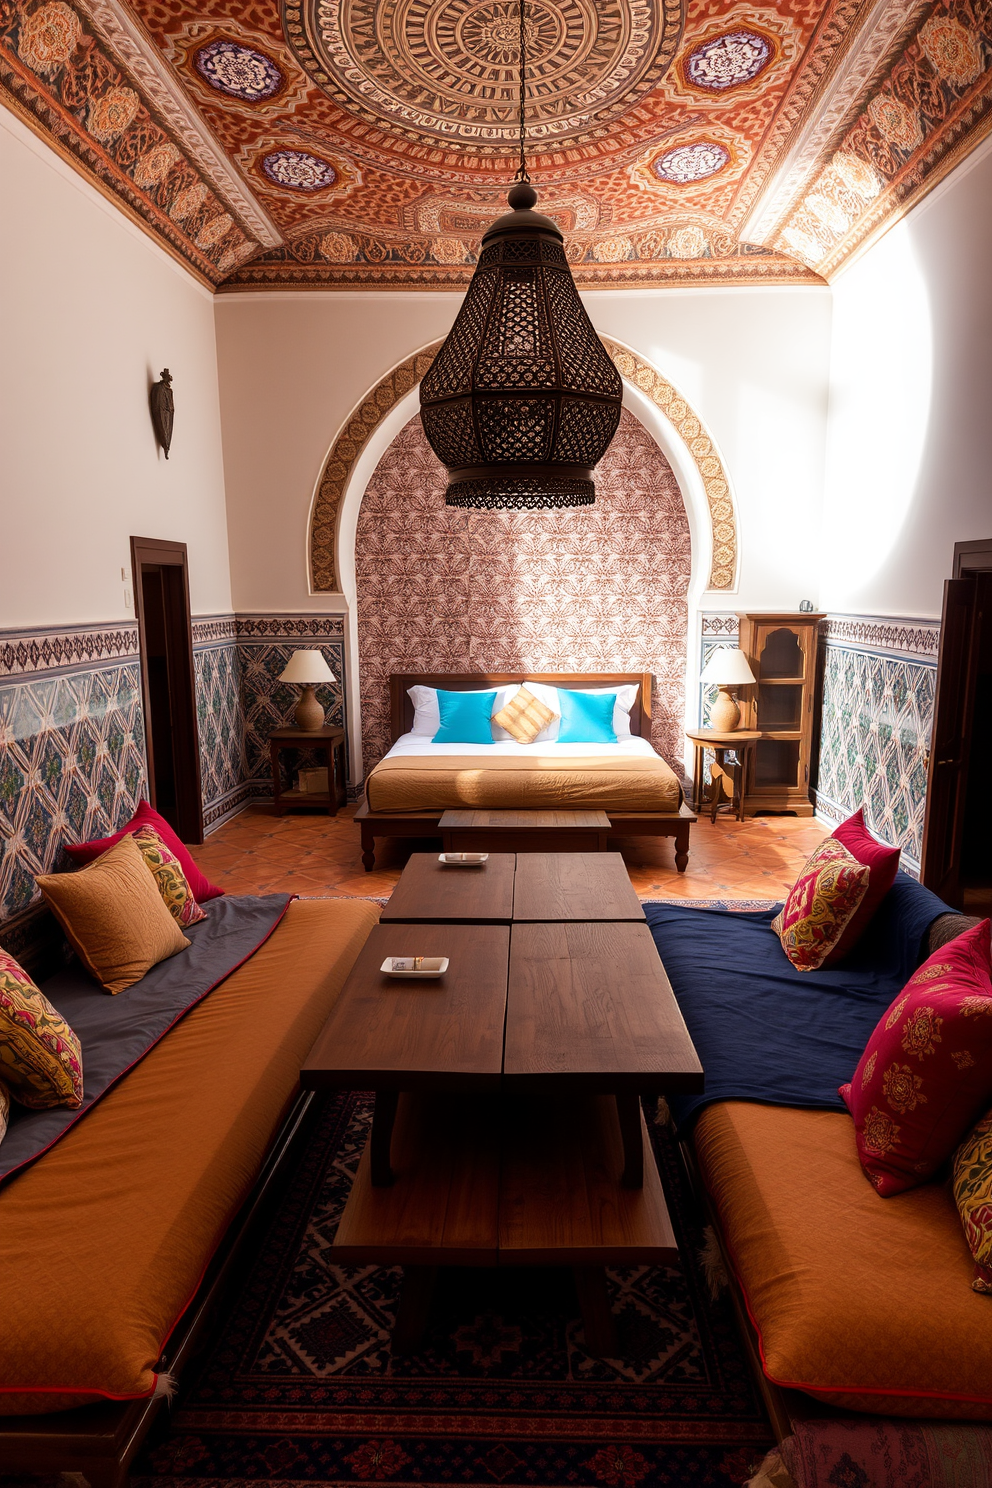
(258, 852)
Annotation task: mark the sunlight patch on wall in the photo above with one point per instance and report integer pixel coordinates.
(880, 397)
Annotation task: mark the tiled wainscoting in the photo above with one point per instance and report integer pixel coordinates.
(72, 751)
(878, 691)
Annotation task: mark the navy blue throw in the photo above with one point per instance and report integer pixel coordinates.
(767, 1032)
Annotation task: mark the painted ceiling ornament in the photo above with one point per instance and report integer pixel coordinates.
(239, 71)
(298, 170)
(953, 51)
(685, 164)
(522, 400)
(727, 60)
(898, 124)
(48, 38)
(445, 70)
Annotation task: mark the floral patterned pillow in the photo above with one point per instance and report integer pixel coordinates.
(822, 902)
(4, 1110)
(167, 872)
(926, 1074)
(973, 1196)
(40, 1058)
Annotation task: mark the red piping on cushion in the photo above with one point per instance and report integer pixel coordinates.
(825, 1389)
(141, 1394)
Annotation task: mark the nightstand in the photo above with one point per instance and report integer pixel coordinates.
(739, 743)
(326, 741)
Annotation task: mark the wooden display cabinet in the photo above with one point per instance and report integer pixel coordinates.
(781, 651)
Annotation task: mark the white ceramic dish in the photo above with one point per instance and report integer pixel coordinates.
(463, 860)
(405, 966)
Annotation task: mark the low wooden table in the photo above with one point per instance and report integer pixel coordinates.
(327, 741)
(504, 830)
(547, 1034)
(513, 887)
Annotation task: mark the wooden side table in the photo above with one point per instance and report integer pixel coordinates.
(326, 741)
(741, 744)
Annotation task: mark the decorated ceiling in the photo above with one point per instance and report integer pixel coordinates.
(367, 143)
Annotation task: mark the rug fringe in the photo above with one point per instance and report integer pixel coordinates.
(166, 1386)
(772, 1473)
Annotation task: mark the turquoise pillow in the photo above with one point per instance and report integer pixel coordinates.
(465, 717)
(586, 718)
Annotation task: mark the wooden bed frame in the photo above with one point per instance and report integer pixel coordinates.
(102, 1440)
(425, 823)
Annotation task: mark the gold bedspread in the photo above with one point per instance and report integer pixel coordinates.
(592, 782)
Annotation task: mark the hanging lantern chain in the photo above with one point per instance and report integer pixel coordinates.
(522, 172)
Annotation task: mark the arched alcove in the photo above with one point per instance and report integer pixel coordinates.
(600, 588)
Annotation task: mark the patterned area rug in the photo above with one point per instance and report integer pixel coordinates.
(299, 1385)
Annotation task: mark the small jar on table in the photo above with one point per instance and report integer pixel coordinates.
(737, 742)
(327, 741)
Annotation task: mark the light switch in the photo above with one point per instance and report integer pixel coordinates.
(128, 599)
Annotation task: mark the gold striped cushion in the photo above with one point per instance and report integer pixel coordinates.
(524, 716)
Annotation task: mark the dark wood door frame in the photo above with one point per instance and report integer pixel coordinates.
(953, 716)
(152, 553)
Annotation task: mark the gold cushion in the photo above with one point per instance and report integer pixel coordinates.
(168, 874)
(524, 716)
(973, 1196)
(114, 916)
(40, 1057)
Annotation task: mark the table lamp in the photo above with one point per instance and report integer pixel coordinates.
(308, 669)
(728, 668)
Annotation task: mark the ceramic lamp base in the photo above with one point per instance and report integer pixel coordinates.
(309, 714)
(725, 714)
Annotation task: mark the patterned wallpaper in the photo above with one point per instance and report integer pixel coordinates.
(602, 588)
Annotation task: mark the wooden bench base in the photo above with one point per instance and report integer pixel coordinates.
(423, 824)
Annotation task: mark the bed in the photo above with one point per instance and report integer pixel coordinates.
(417, 781)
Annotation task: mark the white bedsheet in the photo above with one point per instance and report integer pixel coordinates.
(411, 744)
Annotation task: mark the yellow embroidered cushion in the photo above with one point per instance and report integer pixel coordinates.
(821, 904)
(973, 1196)
(4, 1110)
(114, 916)
(167, 872)
(40, 1058)
(524, 716)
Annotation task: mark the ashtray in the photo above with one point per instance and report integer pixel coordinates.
(415, 966)
(463, 860)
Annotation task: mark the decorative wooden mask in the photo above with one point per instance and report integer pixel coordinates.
(163, 409)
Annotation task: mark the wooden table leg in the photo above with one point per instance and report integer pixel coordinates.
(368, 847)
(597, 1317)
(382, 1136)
(698, 766)
(682, 847)
(629, 1114)
(414, 1307)
(280, 809)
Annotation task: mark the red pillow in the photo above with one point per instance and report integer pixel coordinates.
(883, 865)
(926, 1074)
(82, 853)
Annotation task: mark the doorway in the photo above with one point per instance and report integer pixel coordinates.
(165, 642)
(955, 860)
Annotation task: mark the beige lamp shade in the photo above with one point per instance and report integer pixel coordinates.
(728, 668)
(308, 669)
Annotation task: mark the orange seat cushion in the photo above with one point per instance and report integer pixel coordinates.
(861, 1301)
(104, 1240)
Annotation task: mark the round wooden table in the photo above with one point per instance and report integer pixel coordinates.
(737, 742)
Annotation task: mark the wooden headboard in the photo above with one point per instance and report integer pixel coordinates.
(401, 708)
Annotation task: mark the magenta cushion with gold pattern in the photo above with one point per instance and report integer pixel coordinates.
(926, 1074)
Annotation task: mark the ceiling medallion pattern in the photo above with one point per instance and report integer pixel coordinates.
(238, 71)
(688, 163)
(298, 170)
(446, 70)
(728, 60)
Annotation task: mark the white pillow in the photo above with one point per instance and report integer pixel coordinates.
(427, 715)
(625, 694)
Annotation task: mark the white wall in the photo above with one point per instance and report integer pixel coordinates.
(91, 311)
(753, 363)
(909, 468)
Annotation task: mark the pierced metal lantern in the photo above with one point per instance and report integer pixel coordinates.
(522, 400)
